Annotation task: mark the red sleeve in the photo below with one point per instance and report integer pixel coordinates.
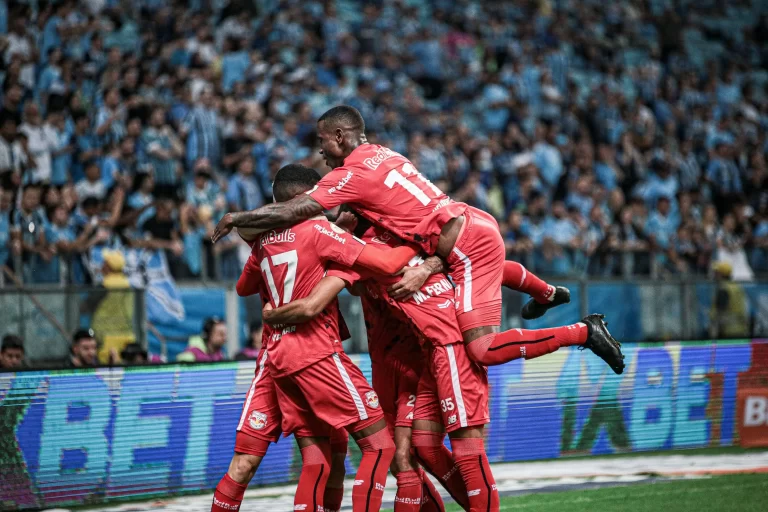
(335, 244)
(250, 280)
(341, 185)
(347, 274)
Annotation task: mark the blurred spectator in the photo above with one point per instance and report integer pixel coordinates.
(163, 150)
(114, 316)
(41, 140)
(201, 129)
(83, 351)
(134, 354)
(11, 353)
(28, 229)
(208, 346)
(243, 192)
(728, 317)
(252, 349)
(93, 185)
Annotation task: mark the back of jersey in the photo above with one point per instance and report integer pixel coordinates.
(292, 262)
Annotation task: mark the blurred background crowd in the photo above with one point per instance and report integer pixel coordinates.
(608, 138)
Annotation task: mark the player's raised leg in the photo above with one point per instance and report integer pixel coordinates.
(543, 296)
(477, 265)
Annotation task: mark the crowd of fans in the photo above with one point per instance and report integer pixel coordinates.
(608, 138)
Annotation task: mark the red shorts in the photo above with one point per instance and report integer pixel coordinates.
(261, 417)
(332, 393)
(454, 391)
(396, 380)
(477, 267)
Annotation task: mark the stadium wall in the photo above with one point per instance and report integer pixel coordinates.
(92, 436)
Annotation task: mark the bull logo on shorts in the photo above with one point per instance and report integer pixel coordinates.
(372, 399)
(258, 420)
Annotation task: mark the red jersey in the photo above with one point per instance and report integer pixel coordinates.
(431, 310)
(386, 188)
(292, 261)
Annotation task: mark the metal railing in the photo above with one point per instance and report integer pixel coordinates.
(46, 316)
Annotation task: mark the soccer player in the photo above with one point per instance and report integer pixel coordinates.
(384, 187)
(260, 425)
(309, 366)
(452, 395)
(397, 362)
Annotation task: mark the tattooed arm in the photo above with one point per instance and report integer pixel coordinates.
(270, 216)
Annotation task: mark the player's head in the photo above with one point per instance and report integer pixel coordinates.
(292, 180)
(339, 131)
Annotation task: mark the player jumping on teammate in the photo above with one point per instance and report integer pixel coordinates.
(386, 188)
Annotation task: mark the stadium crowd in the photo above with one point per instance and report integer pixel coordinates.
(609, 138)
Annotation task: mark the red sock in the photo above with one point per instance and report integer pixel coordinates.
(408, 497)
(476, 472)
(315, 468)
(332, 499)
(378, 450)
(438, 461)
(500, 348)
(519, 278)
(228, 495)
(431, 501)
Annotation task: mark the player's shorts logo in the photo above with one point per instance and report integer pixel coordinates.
(372, 399)
(257, 420)
(452, 419)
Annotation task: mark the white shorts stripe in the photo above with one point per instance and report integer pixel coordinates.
(350, 387)
(522, 279)
(262, 362)
(466, 305)
(456, 386)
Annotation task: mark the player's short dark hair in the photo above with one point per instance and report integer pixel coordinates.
(11, 342)
(293, 179)
(344, 116)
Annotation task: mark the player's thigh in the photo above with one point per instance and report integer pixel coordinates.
(261, 417)
(338, 393)
(297, 414)
(477, 266)
(426, 412)
(462, 387)
(407, 389)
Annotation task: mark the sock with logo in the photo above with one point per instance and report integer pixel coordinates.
(431, 501)
(502, 347)
(519, 278)
(476, 472)
(228, 495)
(438, 461)
(316, 466)
(378, 449)
(408, 497)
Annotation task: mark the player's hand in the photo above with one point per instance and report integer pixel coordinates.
(266, 313)
(223, 228)
(347, 221)
(411, 282)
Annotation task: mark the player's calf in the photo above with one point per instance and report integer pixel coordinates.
(316, 466)
(334, 487)
(378, 450)
(470, 457)
(438, 460)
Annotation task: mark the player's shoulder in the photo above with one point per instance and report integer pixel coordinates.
(276, 237)
(370, 157)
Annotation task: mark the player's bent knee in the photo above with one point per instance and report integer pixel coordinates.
(243, 467)
(402, 460)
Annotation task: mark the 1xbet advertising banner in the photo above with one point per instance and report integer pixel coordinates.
(74, 437)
